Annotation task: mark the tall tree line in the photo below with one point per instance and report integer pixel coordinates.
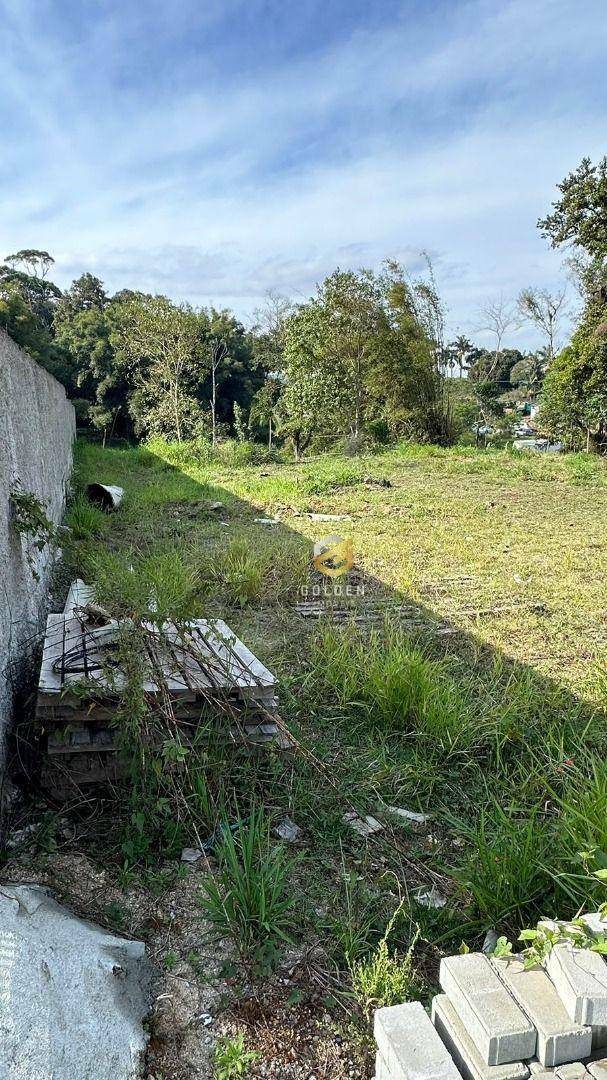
(362, 356)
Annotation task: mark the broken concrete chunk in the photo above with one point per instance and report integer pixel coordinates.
(490, 942)
(191, 854)
(215, 506)
(329, 517)
(409, 815)
(74, 996)
(409, 1047)
(559, 1039)
(365, 826)
(580, 977)
(462, 1048)
(499, 1028)
(430, 897)
(287, 830)
(266, 521)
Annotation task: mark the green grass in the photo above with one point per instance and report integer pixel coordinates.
(497, 728)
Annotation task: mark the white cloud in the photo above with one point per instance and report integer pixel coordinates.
(447, 135)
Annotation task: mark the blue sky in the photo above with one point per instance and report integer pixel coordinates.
(215, 150)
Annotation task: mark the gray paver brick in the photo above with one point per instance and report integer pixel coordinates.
(499, 1028)
(580, 977)
(409, 1047)
(559, 1039)
(462, 1049)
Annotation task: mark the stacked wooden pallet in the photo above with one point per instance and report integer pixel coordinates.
(199, 670)
(498, 1019)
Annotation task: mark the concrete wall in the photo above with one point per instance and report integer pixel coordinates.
(37, 428)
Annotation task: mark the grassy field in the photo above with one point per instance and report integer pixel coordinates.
(469, 685)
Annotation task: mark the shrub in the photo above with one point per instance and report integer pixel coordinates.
(249, 901)
(507, 872)
(85, 520)
(231, 1058)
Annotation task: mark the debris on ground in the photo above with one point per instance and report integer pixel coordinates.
(215, 506)
(377, 481)
(105, 496)
(409, 815)
(430, 897)
(60, 976)
(287, 830)
(191, 854)
(490, 942)
(330, 517)
(364, 826)
(266, 521)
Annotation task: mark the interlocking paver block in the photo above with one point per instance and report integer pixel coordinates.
(580, 977)
(559, 1039)
(598, 1069)
(498, 1026)
(409, 1047)
(575, 1071)
(462, 1049)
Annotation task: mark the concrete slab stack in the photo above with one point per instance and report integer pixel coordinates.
(497, 1020)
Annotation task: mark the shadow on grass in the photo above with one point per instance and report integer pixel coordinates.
(391, 706)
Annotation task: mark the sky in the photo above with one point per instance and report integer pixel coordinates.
(213, 150)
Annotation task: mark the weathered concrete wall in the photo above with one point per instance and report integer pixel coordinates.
(37, 428)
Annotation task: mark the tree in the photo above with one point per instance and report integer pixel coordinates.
(574, 399)
(315, 392)
(269, 332)
(366, 347)
(37, 263)
(545, 310)
(579, 217)
(23, 325)
(458, 353)
(163, 340)
(218, 351)
(85, 293)
(39, 294)
(265, 408)
(529, 372)
(573, 403)
(498, 318)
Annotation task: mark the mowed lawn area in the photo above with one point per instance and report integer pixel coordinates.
(468, 685)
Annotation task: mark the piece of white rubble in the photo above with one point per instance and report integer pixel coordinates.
(191, 854)
(287, 830)
(365, 826)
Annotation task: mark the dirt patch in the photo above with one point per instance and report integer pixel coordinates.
(194, 1000)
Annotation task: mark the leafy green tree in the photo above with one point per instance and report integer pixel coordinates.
(27, 271)
(86, 293)
(573, 403)
(461, 349)
(406, 383)
(579, 216)
(161, 340)
(22, 323)
(266, 414)
(528, 373)
(574, 399)
(315, 396)
(365, 348)
(232, 374)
